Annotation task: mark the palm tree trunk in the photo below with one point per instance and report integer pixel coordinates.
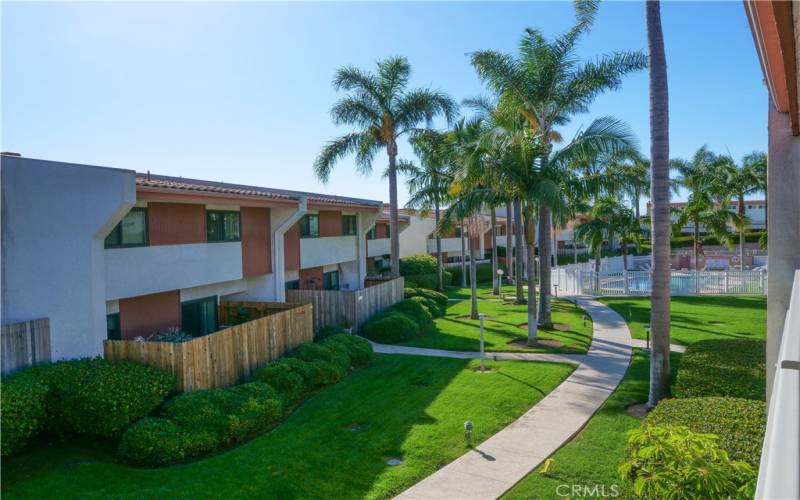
(530, 240)
(394, 233)
(463, 259)
(474, 249)
(495, 278)
(636, 197)
(660, 222)
(574, 246)
(624, 254)
(439, 266)
(544, 266)
(509, 242)
(518, 266)
(741, 233)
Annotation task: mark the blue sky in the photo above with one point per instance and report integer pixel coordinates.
(241, 92)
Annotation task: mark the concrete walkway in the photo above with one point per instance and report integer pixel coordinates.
(497, 464)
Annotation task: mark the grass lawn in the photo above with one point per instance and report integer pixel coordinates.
(699, 318)
(456, 331)
(591, 458)
(333, 446)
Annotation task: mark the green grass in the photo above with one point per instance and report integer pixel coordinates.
(409, 407)
(699, 318)
(456, 331)
(591, 458)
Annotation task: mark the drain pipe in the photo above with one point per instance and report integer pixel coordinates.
(278, 257)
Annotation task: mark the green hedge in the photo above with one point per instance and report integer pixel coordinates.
(438, 298)
(685, 241)
(483, 273)
(417, 311)
(390, 327)
(93, 397)
(734, 368)
(429, 280)
(739, 423)
(201, 422)
(418, 264)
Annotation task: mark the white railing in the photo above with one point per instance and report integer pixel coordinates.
(581, 281)
(780, 456)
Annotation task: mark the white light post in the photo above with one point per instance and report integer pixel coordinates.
(500, 283)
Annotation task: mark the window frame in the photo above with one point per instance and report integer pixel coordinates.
(118, 231)
(292, 285)
(307, 217)
(200, 300)
(223, 212)
(371, 234)
(325, 280)
(116, 318)
(354, 219)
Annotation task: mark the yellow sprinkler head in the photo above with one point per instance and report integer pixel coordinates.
(546, 467)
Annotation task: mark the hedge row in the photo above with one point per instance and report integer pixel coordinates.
(739, 423)
(483, 272)
(94, 397)
(420, 272)
(201, 422)
(407, 319)
(734, 368)
(685, 241)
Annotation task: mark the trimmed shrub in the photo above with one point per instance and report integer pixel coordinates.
(284, 378)
(322, 373)
(674, 462)
(390, 327)
(429, 280)
(430, 305)
(320, 352)
(418, 264)
(438, 297)
(99, 397)
(361, 353)
(739, 423)
(23, 411)
(153, 441)
(483, 272)
(327, 331)
(416, 311)
(734, 368)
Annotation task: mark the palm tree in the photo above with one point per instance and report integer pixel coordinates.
(660, 219)
(548, 84)
(594, 232)
(703, 211)
(633, 169)
(738, 181)
(383, 110)
(428, 183)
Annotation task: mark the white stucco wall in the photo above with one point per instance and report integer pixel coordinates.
(141, 270)
(378, 247)
(413, 239)
(349, 278)
(448, 245)
(329, 250)
(55, 217)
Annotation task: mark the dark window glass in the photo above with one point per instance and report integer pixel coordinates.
(388, 235)
(113, 331)
(349, 225)
(330, 281)
(309, 226)
(131, 231)
(293, 285)
(223, 226)
(371, 234)
(199, 317)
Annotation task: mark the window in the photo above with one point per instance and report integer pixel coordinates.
(371, 234)
(223, 226)
(199, 317)
(293, 285)
(349, 225)
(330, 281)
(113, 331)
(387, 231)
(309, 226)
(131, 231)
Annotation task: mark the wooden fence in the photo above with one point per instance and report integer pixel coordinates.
(349, 307)
(25, 344)
(226, 357)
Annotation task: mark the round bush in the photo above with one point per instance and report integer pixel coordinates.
(391, 327)
(100, 397)
(322, 373)
(439, 298)
(318, 352)
(328, 331)
(153, 441)
(739, 423)
(429, 306)
(23, 411)
(361, 353)
(280, 375)
(416, 311)
(418, 264)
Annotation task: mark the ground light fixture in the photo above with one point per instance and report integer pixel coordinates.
(468, 432)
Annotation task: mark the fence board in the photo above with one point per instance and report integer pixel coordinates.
(25, 344)
(353, 307)
(228, 356)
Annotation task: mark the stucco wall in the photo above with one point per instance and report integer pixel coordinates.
(52, 247)
(413, 239)
(378, 247)
(323, 251)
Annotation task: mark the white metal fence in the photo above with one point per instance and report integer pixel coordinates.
(581, 281)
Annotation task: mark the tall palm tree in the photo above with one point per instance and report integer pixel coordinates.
(713, 216)
(547, 84)
(660, 216)
(737, 182)
(382, 109)
(428, 183)
(634, 172)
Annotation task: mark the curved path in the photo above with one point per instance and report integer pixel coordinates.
(497, 464)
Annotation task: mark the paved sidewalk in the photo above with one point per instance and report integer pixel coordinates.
(498, 463)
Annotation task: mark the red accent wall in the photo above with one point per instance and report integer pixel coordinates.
(291, 248)
(330, 223)
(487, 240)
(176, 223)
(146, 315)
(256, 244)
(311, 278)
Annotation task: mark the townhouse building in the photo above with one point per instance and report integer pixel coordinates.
(111, 253)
